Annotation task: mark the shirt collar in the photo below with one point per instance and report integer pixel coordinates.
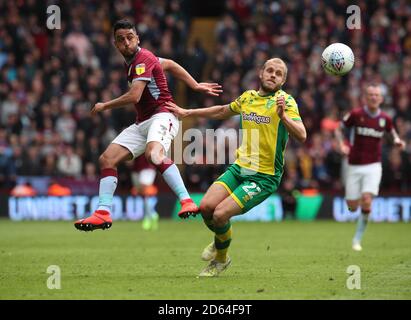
(128, 62)
(372, 114)
(270, 94)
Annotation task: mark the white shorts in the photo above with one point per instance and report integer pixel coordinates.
(362, 179)
(145, 177)
(161, 127)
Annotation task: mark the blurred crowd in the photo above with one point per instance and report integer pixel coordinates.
(50, 79)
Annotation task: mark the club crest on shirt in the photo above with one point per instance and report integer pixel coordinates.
(381, 122)
(140, 68)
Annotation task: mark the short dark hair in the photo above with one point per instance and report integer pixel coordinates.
(123, 24)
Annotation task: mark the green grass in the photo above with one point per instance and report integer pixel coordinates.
(289, 260)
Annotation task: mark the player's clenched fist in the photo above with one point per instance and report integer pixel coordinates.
(281, 107)
(399, 143)
(97, 108)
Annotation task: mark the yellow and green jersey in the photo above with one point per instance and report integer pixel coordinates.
(264, 136)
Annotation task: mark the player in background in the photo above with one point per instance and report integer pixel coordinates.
(364, 172)
(155, 125)
(268, 116)
(143, 177)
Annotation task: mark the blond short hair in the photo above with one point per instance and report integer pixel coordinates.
(278, 61)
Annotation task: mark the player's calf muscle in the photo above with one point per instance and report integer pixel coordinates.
(366, 200)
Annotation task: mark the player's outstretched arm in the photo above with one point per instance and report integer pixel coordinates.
(212, 89)
(295, 128)
(130, 97)
(214, 112)
(345, 150)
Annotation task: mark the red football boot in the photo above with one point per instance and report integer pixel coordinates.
(100, 219)
(188, 208)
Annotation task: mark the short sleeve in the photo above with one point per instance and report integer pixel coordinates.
(235, 106)
(348, 120)
(291, 109)
(143, 70)
(389, 125)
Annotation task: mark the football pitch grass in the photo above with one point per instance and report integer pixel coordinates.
(287, 260)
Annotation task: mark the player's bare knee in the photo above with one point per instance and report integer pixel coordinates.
(352, 205)
(106, 162)
(219, 220)
(366, 206)
(206, 209)
(366, 200)
(153, 155)
(220, 216)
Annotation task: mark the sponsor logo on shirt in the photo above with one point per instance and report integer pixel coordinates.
(256, 118)
(369, 132)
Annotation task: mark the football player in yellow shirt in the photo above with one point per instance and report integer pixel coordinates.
(268, 117)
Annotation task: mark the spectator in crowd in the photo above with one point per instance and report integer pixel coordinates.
(69, 163)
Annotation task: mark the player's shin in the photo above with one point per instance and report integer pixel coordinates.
(222, 241)
(147, 208)
(172, 176)
(108, 185)
(361, 225)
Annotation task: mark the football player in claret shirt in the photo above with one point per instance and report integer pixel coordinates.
(268, 116)
(155, 125)
(368, 124)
